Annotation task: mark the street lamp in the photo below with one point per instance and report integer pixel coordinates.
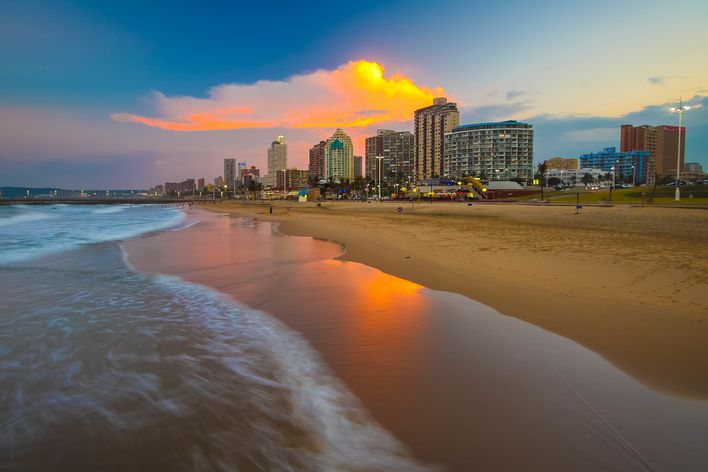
(379, 170)
(679, 109)
(612, 184)
(634, 175)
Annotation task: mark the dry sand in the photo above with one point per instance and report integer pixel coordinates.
(628, 283)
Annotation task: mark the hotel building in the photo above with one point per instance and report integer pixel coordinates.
(316, 167)
(339, 157)
(660, 141)
(230, 173)
(398, 151)
(431, 123)
(277, 160)
(495, 151)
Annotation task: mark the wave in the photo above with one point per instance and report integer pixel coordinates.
(109, 209)
(345, 436)
(23, 218)
(27, 236)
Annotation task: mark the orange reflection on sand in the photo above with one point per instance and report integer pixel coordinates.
(387, 314)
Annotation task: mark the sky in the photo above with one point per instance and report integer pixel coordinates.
(131, 94)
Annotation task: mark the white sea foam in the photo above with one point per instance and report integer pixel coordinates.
(110, 209)
(47, 230)
(347, 437)
(23, 218)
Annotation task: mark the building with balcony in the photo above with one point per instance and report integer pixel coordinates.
(277, 160)
(496, 151)
(339, 157)
(397, 149)
(430, 124)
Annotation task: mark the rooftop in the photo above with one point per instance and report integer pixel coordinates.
(496, 124)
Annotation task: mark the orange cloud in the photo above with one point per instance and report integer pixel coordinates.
(353, 95)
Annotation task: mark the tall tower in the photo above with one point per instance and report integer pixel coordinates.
(277, 160)
(339, 156)
(316, 166)
(431, 124)
(230, 172)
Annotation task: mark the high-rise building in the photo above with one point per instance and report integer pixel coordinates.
(397, 149)
(316, 166)
(277, 160)
(633, 166)
(431, 123)
(497, 151)
(357, 166)
(200, 184)
(339, 157)
(230, 173)
(660, 141)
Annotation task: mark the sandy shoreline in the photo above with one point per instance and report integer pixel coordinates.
(628, 283)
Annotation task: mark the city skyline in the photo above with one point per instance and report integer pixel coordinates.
(74, 116)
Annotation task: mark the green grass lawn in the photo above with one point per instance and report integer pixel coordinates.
(662, 196)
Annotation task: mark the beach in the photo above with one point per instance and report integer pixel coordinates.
(627, 282)
(460, 384)
(166, 338)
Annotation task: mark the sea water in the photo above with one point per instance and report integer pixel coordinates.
(104, 367)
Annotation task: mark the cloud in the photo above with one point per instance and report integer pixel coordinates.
(512, 94)
(657, 80)
(352, 95)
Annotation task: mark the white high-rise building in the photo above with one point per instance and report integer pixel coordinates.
(339, 157)
(277, 160)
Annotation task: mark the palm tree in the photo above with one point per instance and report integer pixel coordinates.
(587, 179)
(541, 169)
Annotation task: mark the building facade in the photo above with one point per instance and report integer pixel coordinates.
(562, 163)
(294, 179)
(660, 141)
(430, 124)
(339, 157)
(495, 151)
(634, 166)
(230, 173)
(316, 165)
(357, 167)
(397, 149)
(277, 160)
(693, 167)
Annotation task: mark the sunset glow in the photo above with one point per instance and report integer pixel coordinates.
(353, 95)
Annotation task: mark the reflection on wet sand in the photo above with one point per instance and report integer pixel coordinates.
(461, 384)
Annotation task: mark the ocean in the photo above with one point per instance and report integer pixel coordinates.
(103, 367)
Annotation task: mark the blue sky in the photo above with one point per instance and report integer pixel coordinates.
(576, 70)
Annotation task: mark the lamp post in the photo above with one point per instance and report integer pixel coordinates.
(285, 184)
(379, 170)
(612, 184)
(634, 175)
(679, 109)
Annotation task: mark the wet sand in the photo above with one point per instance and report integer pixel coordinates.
(464, 386)
(628, 283)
